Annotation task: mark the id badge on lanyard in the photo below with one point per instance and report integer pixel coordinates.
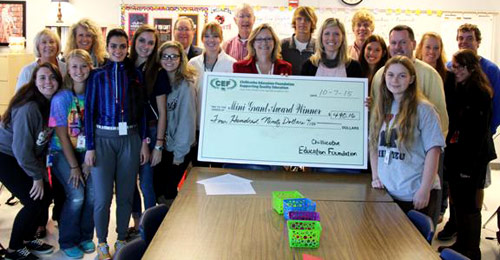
(387, 157)
(80, 142)
(122, 128)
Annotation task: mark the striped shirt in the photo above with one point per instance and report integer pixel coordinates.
(106, 100)
(236, 48)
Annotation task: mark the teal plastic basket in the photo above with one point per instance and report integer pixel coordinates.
(302, 204)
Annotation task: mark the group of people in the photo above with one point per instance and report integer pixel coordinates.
(111, 114)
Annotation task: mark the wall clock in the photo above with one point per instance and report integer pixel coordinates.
(351, 2)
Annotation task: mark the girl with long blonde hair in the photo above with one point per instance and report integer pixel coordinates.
(405, 140)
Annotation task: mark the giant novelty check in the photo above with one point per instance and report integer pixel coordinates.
(284, 120)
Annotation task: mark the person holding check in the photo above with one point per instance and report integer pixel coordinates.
(331, 58)
(263, 54)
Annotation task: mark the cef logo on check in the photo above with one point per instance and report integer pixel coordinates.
(223, 84)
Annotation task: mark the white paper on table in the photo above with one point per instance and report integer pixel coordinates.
(229, 188)
(226, 178)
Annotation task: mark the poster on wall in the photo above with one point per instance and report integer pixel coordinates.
(225, 17)
(193, 17)
(159, 16)
(135, 20)
(164, 28)
(12, 20)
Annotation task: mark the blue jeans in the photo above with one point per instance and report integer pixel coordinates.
(76, 223)
(145, 181)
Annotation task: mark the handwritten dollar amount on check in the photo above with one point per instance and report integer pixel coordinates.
(272, 114)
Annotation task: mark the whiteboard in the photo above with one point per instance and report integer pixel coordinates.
(445, 24)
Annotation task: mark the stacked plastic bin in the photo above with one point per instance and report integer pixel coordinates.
(303, 222)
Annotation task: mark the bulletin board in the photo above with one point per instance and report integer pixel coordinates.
(421, 21)
(163, 18)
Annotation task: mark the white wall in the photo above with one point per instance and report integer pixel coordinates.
(107, 12)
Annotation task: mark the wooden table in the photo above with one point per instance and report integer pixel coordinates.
(316, 186)
(366, 226)
(220, 227)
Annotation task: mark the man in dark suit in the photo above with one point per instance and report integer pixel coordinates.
(184, 30)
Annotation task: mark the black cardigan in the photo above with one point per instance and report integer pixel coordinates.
(353, 69)
(469, 144)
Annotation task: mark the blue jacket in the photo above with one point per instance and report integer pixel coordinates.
(107, 99)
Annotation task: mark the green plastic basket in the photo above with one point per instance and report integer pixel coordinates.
(304, 233)
(279, 196)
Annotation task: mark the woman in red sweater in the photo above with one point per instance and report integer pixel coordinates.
(264, 54)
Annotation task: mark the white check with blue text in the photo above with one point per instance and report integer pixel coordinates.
(284, 120)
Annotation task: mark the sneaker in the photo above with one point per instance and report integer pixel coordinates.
(448, 232)
(38, 246)
(22, 253)
(119, 244)
(73, 252)
(103, 252)
(87, 246)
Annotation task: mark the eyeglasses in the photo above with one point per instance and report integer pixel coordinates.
(268, 39)
(170, 56)
(457, 67)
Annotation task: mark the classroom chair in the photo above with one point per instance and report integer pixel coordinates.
(450, 254)
(150, 221)
(133, 250)
(423, 223)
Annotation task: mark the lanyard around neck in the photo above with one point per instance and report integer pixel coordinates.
(209, 69)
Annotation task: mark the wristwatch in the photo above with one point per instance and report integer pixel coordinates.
(159, 147)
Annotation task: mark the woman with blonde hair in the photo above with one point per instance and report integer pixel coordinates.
(76, 224)
(264, 54)
(86, 34)
(431, 51)
(405, 140)
(47, 47)
(181, 118)
(213, 59)
(330, 58)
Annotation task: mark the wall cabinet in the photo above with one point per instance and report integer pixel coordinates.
(10, 66)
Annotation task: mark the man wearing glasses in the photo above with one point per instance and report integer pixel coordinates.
(184, 30)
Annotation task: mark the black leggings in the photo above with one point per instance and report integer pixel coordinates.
(167, 175)
(431, 209)
(19, 184)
